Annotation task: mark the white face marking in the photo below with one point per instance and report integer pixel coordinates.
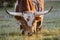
(29, 16)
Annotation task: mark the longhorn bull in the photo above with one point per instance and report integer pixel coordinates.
(28, 17)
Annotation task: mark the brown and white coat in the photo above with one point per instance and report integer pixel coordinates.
(30, 16)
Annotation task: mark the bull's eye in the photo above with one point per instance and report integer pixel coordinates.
(28, 18)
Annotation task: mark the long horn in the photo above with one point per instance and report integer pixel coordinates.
(13, 13)
(43, 12)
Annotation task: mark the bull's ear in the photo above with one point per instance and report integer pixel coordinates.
(13, 13)
(43, 12)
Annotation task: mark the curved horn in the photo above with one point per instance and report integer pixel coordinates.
(13, 13)
(43, 12)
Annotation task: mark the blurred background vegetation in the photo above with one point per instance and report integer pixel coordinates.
(6, 3)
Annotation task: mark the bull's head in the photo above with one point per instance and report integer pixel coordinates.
(28, 16)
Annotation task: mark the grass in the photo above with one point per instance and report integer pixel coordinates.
(9, 28)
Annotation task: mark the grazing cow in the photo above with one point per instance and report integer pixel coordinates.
(30, 16)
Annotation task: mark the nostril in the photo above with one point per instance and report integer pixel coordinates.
(29, 34)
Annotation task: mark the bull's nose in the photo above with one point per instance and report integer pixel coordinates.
(30, 34)
(28, 18)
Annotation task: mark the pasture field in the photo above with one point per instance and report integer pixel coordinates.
(9, 28)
